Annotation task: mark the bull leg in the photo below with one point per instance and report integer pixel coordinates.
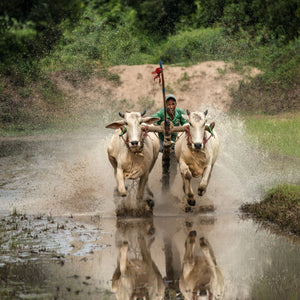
(149, 197)
(123, 258)
(149, 191)
(143, 184)
(217, 280)
(186, 179)
(120, 182)
(189, 258)
(204, 181)
(141, 188)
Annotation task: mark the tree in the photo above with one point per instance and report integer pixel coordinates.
(159, 18)
(30, 28)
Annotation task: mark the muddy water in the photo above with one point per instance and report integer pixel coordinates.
(66, 241)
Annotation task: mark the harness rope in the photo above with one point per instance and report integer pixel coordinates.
(143, 137)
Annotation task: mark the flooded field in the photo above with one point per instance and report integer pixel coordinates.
(60, 238)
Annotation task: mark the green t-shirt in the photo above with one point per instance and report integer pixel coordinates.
(177, 121)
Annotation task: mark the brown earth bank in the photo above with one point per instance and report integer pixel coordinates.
(71, 98)
(66, 97)
(205, 83)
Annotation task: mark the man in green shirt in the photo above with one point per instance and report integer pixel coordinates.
(174, 115)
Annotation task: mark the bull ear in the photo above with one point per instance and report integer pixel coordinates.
(143, 113)
(212, 126)
(187, 112)
(150, 120)
(116, 125)
(206, 112)
(121, 115)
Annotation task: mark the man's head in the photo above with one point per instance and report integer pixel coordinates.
(171, 104)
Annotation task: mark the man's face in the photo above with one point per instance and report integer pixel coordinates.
(171, 105)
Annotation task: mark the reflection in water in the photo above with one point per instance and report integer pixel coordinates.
(69, 177)
(191, 271)
(136, 275)
(200, 277)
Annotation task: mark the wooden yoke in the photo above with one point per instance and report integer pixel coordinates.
(161, 128)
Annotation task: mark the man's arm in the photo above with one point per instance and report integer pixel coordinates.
(159, 114)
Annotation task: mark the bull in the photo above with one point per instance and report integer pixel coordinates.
(132, 152)
(196, 151)
(136, 275)
(200, 277)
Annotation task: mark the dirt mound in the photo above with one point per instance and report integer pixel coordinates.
(207, 82)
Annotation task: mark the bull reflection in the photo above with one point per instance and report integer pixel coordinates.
(136, 276)
(200, 276)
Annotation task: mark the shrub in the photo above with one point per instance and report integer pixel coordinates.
(281, 205)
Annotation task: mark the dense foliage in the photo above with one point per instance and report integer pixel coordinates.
(265, 19)
(81, 36)
(30, 29)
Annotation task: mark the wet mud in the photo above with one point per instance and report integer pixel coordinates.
(61, 239)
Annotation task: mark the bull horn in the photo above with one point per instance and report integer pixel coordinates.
(121, 115)
(206, 112)
(143, 113)
(187, 112)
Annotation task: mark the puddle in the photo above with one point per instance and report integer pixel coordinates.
(66, 243)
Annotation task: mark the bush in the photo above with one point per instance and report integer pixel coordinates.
(203, 44)
(281, 205)
(96, 44)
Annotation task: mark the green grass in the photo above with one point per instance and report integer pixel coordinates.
(278, 134)
(281, 205)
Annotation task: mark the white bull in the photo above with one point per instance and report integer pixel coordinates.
(136, 275)
(200, 278)
(196, 152)
(133, 151)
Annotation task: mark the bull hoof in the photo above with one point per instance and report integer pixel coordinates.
(117, 193)
(189, 224)
(191, 202)
(150, 203)
(201, 192)
(188, 209)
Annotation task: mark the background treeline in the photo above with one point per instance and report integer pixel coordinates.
(79, 36)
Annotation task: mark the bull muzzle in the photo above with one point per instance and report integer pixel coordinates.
(198, 146)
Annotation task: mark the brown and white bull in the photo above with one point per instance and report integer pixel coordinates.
(196, 151)
(200, 277)
(133, 151)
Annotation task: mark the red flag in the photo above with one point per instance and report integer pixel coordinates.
(157, 72)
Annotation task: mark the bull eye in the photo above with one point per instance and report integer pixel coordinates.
(191, 124)
(125, 123)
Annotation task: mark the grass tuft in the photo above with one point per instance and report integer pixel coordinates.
(281, 205)
(276, 134)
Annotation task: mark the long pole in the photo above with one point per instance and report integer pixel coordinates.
(163, 90)
(167, 133)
